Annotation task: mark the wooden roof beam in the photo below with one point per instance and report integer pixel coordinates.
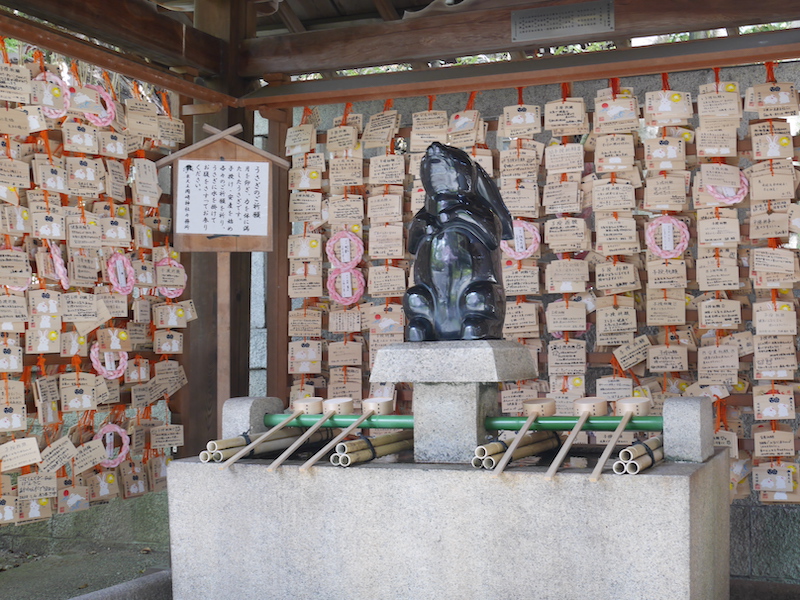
(388, 12)
(295, 25)
(135, 26)
(469, 32)
(52, 39)
(646, 60)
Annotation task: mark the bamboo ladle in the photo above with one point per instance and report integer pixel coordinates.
(330, 407)
(584, 408)
(543, 407)
(370, 406)
(629, 407)
(301, 408)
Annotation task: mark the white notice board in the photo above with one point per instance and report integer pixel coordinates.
(219, 198)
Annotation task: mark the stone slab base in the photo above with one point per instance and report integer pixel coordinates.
(410, 531)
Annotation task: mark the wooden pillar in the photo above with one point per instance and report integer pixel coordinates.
(217, 355)
(277, 266)
(242, 25)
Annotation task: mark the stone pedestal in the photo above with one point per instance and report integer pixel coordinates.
(416, 532)
(455, 389)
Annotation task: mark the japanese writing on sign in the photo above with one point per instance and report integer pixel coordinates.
(222, 197)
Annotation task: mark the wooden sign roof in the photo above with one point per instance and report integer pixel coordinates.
(226, 135)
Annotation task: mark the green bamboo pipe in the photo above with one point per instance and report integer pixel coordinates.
(492, 423)
(342, 421)
(567, 423)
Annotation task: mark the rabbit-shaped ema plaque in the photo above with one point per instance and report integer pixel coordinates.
(458, 292)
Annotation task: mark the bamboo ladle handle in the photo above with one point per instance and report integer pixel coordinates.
(260, 439)
(562, 454)
(299, 441)
(515, 442)
(595, 476)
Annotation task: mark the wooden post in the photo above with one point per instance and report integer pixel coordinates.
(218, 357)
(223, 330)
(277, 265)
(242, 26)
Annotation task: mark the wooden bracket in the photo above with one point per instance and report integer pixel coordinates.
(190, 110)
(275, 79)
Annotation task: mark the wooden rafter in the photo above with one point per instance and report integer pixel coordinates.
(386, 10)
(680, 56)
(134, 26)
(487, 30)
(50, 39)
(290, 19)
(295, 25)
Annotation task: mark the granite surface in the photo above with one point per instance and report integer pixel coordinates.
(246, 414)
(154, 586)
(774, 532)
(740, 541)
(401, 531)
(454, 362)
(449, 420)
(688, 429)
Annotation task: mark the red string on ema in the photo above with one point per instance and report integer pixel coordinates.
(348, 108)
(471, 101)
(770, 67)
(614, 85)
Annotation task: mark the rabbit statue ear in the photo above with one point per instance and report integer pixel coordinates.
(487, 189)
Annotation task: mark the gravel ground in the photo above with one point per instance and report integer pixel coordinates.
(63, 576)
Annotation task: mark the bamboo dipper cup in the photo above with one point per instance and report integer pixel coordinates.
(378, 406)
(628, 407)
(369, 407)
(328, 408)
(591, 406)
(541, 407)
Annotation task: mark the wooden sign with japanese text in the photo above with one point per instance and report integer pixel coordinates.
(223, 200)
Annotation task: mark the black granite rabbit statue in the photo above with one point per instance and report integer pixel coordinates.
(458, 292)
